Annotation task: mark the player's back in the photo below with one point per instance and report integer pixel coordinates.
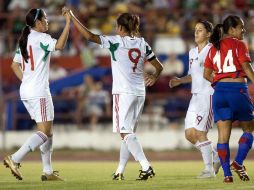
(128, 55)
(36, 69)
(227, 61)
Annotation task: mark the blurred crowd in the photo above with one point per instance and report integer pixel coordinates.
(167, 25)
(172, 18)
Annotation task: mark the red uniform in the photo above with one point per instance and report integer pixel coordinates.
(227, 63)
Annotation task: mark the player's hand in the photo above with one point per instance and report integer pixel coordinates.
(149, 79)
(174, 82)
(66, 14)
(65, 10)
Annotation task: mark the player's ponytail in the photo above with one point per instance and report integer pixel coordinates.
(134, 25)
(31, 17)
(230, 21)
(129, 22)
(23, 42)
(216, 36)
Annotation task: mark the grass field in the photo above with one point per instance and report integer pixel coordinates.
(97, 175)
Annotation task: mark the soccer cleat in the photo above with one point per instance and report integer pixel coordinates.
(206, 174)
(14, 167)
(51, 177)
(228, 179)
(144, 175)
(216, 167)
(240, 170)
(118, 176)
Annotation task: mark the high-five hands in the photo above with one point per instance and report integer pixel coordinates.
(66, 13)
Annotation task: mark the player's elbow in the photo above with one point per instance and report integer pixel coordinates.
(206, 76)
(59, 46)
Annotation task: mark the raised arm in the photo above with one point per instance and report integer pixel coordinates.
(84, 31)
(63, 38)
(150, 79)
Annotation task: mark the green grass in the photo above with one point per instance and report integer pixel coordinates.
(97, 175)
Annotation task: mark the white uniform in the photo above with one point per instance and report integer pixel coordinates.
(199, 114)
(34, 89)
(127, 61)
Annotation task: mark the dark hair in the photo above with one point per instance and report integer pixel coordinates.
(31, 17)
(208, 25)
(130, 23)
(219, 29)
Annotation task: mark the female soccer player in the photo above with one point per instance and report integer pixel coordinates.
(128, 55)
(31, 66)
(199, 117)
(227, 66)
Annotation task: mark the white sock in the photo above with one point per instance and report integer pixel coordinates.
(124, 157)
(136, 150)
(197, 145)
(215, 156)
(46, 151)
(207, 154)
(30, 145)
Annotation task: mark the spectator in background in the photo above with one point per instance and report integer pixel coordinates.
(172, 66)
(56, 72)
(93, 102)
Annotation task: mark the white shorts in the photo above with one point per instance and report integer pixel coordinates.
(126, 112)
(200, 113)
(40, 109)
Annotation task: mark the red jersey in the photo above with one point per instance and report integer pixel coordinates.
(227, 63)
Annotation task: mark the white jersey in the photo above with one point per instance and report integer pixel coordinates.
(35, 81)
(127, 61)
(196, 70)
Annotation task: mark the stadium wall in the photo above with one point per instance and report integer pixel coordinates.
(159, 140)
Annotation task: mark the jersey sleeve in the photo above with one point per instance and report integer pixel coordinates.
(17, 57)
(243, 53)
(208, 60)
(48, 42)
(149, 52)
(108, 41)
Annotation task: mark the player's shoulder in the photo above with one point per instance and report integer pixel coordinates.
(232, 40)
(112, 37)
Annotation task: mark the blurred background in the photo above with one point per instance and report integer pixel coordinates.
(80, 75)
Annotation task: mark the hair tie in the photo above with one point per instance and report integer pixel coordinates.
(37, 14)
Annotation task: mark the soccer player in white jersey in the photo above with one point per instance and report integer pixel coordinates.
(199, 117)
(31, 66)
(128, 55)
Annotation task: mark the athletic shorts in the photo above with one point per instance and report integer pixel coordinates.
(40, 109)
(199, 114)
(126, 112)
(231, 101)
